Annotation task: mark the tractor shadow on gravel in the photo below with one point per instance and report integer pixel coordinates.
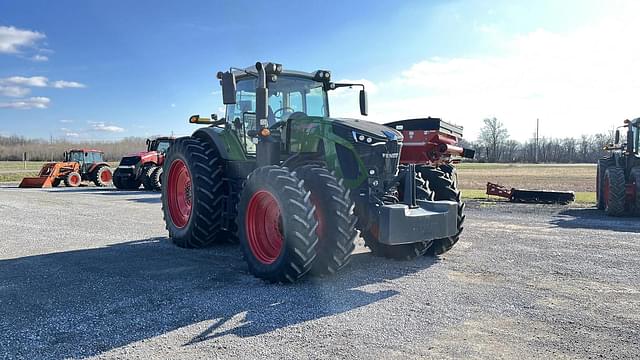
(86, 302)
(592, 218)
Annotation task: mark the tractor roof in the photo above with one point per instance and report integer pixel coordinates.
(635, 122)
(162, 138)
(86, 150)
(251, 71)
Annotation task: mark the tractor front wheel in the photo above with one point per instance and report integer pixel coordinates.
(277, 225)
(147, 174)
(614, 191)
(336, 221)
(192, 196)
(156, 178)
(73, 179)
(442, 182)
(603, 165)
(102, 176)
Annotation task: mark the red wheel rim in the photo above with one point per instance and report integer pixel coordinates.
(179, 193)
(263, 227)
(105, 176)
(74, 180)
(605, 194)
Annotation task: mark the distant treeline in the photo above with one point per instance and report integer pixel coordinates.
(494, 145)
(13, 148)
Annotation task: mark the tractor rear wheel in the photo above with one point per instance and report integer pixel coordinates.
(614, 194)
(156, 178)
(192, 195)
(443, 183)
(336, 221)
(603, 165)
(102, 176)
(635, 179)
(277, 225)
(147, 174)
(73, 179)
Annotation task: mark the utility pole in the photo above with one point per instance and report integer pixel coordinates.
(537, 139)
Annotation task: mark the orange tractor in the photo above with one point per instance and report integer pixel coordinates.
(78, 165)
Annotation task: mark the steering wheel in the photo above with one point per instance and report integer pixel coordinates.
(282, 109)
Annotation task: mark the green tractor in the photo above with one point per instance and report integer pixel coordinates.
(618, 175)
(294, 186)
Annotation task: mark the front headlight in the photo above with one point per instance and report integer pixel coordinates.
(366, 139)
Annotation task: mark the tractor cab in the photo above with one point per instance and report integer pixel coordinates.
(160, 144)
(291, 95)
(85, 157)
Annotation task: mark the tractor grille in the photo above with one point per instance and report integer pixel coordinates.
(130, 160)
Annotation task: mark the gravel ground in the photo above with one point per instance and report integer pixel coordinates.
(90, 273)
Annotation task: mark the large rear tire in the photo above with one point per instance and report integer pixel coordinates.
(277, 225)
(102, 176)
(635, 179)
(614, 191)
(336, 221)
(193, 193)
(603, 165)
(443, 183)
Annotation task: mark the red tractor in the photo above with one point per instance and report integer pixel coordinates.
(432, 147)
(143, 168)
(618, 176)
(78, 165)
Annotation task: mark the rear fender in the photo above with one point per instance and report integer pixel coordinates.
(224, 140)
(95, 166)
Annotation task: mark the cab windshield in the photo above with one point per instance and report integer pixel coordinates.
(163, 146)
(288, 95)
(77, 156)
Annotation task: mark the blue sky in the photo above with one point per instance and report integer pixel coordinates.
(107, 70)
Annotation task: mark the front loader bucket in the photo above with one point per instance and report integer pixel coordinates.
(36, 182)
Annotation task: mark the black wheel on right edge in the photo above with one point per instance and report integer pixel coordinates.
(443, 185)
(336, 221)
(277, 225)
(614, 191)
(603, 165)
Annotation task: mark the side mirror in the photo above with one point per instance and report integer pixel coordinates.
(228, 82)
(148, 142)
(617, 139)
(364, 104)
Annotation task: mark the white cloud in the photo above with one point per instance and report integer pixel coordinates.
(13, 39)
(40, 81)
(33, 81)
(71, 134)
(24, 104)
(13, 91)
(62, 84)
(66, 121)
(173, 105)
(102, 127)
(580, 82)
(40, 58)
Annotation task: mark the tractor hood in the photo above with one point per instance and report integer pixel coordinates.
(141, 154)
(369, 128)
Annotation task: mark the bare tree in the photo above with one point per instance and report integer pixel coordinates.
(493, 136)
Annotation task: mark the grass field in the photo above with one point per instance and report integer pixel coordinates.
(580, 178)
(473, 177)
